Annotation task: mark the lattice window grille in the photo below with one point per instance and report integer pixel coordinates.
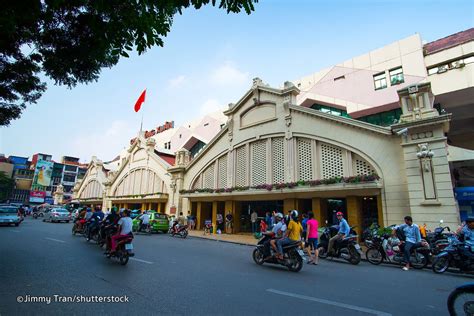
(197, 183)
(278, 157)
(332, 161)
(241, 166)
(259, 162)
(305, 159)
(362, 167)
(209, 177)
(222, 172)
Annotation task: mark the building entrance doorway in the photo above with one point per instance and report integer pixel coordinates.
(370, 213)
(333, 206)
(261, 207)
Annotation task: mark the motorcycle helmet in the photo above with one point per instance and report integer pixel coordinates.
(294, 214)
(279, 215)
(89, 209)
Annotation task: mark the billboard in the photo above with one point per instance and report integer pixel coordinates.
(37, 196)
(43, 172)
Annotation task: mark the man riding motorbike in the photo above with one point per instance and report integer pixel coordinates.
(180, 221)
(278, 229)
(144, 221)
(94, 221)
(344, 231)
(412, 236)
(292, 234)
(109, 227)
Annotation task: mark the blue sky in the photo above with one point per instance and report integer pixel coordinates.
(209, 60)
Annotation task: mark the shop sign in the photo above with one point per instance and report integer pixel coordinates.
(159, 129)
(464, 194)
(37, 196)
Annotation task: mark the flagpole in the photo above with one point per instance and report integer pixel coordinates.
(141, 124)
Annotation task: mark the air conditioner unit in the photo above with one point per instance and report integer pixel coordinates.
(442, 69)
(459, 64)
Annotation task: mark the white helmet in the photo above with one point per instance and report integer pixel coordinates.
(279, 215)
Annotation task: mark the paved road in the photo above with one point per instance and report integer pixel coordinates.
(196, 276)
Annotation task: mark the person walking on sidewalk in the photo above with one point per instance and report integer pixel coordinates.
(253, 219)
(311, 239)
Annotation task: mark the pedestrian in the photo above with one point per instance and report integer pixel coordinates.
(220, 223)
(253, 220)
(228, 223)
(311, 239)
(410, 232)
(303, 223)
(343, 231)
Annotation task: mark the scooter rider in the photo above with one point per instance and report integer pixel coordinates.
(412, 238)
(467, 230)
(344, 231)
(95, 220)
(293, 233)
(124, 230)
(277, 231)
(145, 220)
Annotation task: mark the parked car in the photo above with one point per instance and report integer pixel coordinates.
(158, 222)
(57, 215)
(9, 215)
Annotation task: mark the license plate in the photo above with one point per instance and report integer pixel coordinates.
(300, 252)
(128, 246)
(357, 247)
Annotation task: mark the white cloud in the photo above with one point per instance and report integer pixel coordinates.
(177, 82)
(105, 144)
(228, 74)
(210, 106)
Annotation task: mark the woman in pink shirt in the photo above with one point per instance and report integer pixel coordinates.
(311, 241)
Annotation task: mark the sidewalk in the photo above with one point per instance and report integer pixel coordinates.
(242, 239)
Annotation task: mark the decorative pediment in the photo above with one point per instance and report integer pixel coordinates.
(258, 114)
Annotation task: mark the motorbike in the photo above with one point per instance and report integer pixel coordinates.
(124, 250)
(144, 228)
(292, 255)
(438, 239)
(347, 248)
(457, 254)
(461, 300)
(38, 214)
(390, 249)
(95, 233)
(76, 228)
(180, 230)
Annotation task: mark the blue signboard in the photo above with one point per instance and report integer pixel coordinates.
(49, 200)
(464, 194)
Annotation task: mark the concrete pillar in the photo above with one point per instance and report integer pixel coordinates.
(237, 210)
(354, 213)
(214, 217)
(198, 216)
(317, 210)
(289, 205)
(380, 211)
(159, 207)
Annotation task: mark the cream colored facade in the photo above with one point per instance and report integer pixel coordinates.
(90, 190)
(269, 139)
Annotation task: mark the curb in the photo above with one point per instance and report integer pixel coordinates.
(226, 241)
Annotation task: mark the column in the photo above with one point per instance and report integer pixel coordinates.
(236, 215)
(354, 213)
(317, 210)
(289, 205)
(380, 211)
(159, 207)
(198, 216)
(214, 217)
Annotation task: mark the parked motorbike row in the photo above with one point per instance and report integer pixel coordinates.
(347, 249)
(441, 248)
(101, 234)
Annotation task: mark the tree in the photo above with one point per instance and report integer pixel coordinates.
(72, 40)
(6, 186)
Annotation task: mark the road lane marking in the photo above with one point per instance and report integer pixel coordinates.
(16, 231)
(323, 301)
(62, 241)
(140, 260)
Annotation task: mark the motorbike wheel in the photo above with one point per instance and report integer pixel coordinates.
(123, 257)
(35, 216)
(148, 230)
(183, 233)
(257, 256)
(296, 263)
(41, 215)
(354, 256)
(440, 264)
(461, 301)
(418, 261)
(374, 256)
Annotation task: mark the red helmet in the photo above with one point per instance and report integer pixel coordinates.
(339, 213)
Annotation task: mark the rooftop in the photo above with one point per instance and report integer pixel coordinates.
(449, 41)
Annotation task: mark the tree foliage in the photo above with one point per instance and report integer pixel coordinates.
(72, 40)
(6, 186)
